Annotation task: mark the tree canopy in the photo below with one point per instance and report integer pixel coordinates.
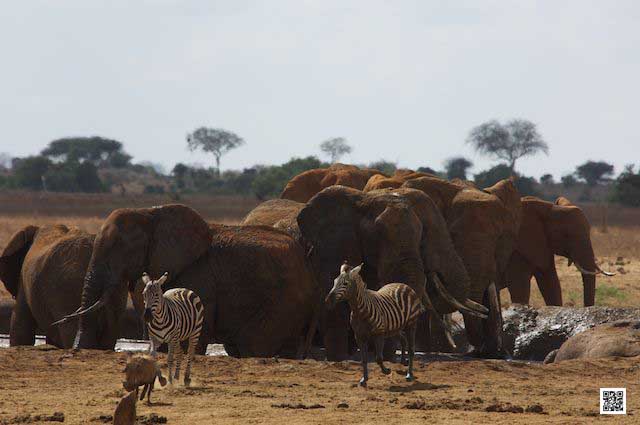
(336, 148)
(594, 172)
(457, 167)
(97, 150)
(509, 142)
(214, 140)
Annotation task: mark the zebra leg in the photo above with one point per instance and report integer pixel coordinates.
(144, 391)
(179, 353)
(411, 340)
(379, 343)
(149, 393)
(363, 353)
(403, 350)
(191, 351)
(172, 348)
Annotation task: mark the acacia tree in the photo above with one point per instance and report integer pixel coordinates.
(457, 167)
(594, 172)
(214, 140)
(511, 141)
(335, 148)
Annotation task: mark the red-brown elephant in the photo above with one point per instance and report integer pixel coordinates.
(551, 229)
(302, 187)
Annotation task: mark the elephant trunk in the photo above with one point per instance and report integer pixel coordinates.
(589, 283)
(98, 289)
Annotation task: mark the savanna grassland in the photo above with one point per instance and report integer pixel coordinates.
(85, 386)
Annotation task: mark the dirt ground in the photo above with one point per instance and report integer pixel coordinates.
(85, 386)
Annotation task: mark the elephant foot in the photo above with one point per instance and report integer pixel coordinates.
(485, 353)
(363, 383)
(409, 377)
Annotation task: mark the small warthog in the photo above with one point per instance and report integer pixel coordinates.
(142, 369)
(125, 413)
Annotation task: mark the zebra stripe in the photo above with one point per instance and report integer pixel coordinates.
(173, 317)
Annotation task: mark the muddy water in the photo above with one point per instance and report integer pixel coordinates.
(125, 345)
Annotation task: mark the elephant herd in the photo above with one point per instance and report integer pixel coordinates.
(263, 282)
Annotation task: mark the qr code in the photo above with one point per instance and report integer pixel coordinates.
(613, 401)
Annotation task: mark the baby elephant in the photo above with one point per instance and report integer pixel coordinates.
(142, 369)
(375, 315)
(125, 413)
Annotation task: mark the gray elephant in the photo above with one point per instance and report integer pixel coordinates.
(43, 268)
(260, 299)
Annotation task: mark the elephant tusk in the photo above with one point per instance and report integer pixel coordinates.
(434, 313)
(475, 306)
(585, 271)
(81, 312)
(605, 272)
(451, 300)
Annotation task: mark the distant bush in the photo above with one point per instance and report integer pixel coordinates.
(29, 172)
(626, 189)
(383, 166)
(154, 189)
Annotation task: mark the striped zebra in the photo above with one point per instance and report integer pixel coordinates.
(173, 317)
(392, 310)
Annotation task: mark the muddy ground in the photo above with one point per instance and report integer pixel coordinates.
(37, 382)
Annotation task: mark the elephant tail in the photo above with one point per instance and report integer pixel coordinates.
(551, 357)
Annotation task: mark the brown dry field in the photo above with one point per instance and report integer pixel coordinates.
(86, 385)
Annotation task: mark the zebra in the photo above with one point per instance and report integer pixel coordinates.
(173, 317)
(392, 310)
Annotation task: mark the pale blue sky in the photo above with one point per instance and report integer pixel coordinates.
(402, 80)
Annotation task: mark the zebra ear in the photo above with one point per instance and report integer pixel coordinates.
(345, 267)
(163, 278)
(356, 270)
(145, 278)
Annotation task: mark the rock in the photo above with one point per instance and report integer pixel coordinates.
(504, 408)
(534, 408)
(343, 405)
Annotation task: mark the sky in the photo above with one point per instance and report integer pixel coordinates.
(403, 81)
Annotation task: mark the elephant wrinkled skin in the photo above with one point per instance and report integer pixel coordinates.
(43, 268)
(617, 339)
(551, 229)
(399, 235)
(484, 226)
(303, 186)
(258, 294)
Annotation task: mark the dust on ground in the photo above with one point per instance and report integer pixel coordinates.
(86, 385)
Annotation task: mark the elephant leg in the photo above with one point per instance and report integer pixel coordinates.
(207, 334)
(379, 344)
(336, 342)
(549, 286)
(519, 275)
(22, 330)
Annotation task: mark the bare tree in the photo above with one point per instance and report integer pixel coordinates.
(335, 148)
(214, 140)
(511, 141)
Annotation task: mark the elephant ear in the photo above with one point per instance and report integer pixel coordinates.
(506, 191)
(437, 250)
(12, 257)
(533, 240)
(328, 223)
(440, 191)
(564, 202)
(179, 237)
